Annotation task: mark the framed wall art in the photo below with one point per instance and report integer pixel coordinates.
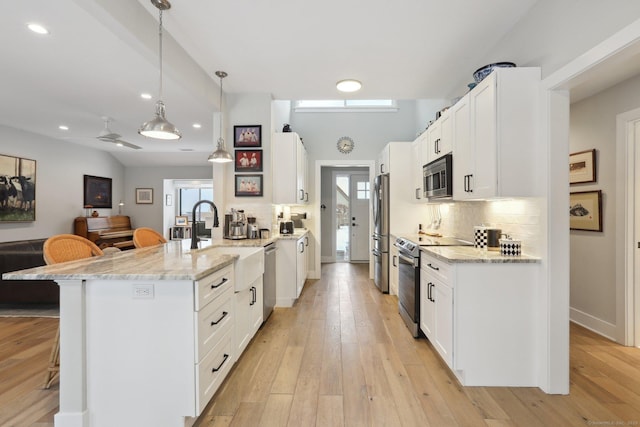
(17, 189)
(248, 185)
(182, 220)
(585, 210)
(97, 191)
(582, 167)
(248, 160)
(144, 196)
(247, 136)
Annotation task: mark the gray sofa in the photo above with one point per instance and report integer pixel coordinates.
(20, 255)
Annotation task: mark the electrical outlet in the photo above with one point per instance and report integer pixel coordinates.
(143, 291)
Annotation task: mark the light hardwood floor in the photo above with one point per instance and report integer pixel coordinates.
(342, 357)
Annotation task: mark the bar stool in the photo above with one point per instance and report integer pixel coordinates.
(144, 236)
(57, 249)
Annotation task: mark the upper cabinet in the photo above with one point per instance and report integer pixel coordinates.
(494, 136)
(383, 162)
(289, 169)
(439, 139)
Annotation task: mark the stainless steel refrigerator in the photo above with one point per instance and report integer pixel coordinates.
(380, 245)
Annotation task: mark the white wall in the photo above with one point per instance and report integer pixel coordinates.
(555, 32)
(593, 261)
(59, 182)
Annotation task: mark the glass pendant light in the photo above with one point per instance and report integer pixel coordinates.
(221, 155)
(159, 127)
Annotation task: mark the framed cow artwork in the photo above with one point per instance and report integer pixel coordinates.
(17, 189)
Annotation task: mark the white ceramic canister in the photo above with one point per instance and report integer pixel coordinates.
(510, 247)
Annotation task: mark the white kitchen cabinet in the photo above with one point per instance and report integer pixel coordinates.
(416, 168)
(394, 270)
(249, 270)
(482, 319)
(289, 169)
(172, 344)
(383, 161)
(436, 306)
(439, 139)
(291, 269)
(495, 134)
(403, 217)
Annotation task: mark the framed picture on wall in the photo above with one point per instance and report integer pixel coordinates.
(17, 172)
(97, 191)
(248, 185)
(144, 196)
(247, 136)
(582, 167)
(585, 210)
(248, 160)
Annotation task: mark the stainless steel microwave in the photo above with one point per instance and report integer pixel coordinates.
(438, 178)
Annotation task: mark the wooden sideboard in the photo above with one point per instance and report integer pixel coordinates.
(106, 231)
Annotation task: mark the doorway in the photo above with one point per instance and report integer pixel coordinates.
(344, 218)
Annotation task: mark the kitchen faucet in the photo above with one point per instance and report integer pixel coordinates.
(194, 238)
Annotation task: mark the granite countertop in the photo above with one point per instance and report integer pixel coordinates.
(172, 261)
(469, 254)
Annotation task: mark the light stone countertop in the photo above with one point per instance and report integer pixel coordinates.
(297, 233)
(171, 261)
(469, 254)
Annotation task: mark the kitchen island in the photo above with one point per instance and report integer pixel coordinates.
(146, 336)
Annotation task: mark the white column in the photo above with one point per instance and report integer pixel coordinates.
(73, 360)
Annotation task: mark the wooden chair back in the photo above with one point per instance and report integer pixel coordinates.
(144, 236)
(68, 247)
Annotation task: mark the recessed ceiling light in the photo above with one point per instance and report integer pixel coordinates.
(37, 28)
(349, 85)
(63, 127)
(196, 125)
(145, 96)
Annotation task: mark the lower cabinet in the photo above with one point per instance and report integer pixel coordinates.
(248, 309)
(291, 269)
(436, 308)
(481, 319)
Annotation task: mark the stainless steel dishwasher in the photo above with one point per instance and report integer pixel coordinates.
(269, 280)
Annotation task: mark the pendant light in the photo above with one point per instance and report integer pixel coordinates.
(221, 155)
(159, 127)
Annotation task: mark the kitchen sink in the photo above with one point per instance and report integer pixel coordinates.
(248, 267)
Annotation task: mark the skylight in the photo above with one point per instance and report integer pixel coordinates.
(346, 105)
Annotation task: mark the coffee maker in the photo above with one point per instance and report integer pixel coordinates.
(235, 225)
(252, 228)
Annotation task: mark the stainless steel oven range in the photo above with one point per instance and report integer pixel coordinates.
(409, 271)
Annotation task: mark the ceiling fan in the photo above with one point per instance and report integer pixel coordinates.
(107, 135)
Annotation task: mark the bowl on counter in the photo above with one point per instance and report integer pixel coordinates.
(483, 72)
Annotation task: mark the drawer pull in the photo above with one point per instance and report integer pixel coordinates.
(224, 314)
(222, 282)
(435, 268)
(226, 356)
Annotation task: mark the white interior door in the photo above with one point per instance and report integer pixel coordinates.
(360, 195)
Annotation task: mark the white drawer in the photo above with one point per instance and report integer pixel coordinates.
(433, 266)
(208, 288)
(212, 371)
(213, 321)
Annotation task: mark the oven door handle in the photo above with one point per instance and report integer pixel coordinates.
(407, 259)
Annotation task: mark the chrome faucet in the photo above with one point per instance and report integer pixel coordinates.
(194, 238)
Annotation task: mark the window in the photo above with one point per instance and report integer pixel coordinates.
(346, 105)
(190, 196)
(363, 191)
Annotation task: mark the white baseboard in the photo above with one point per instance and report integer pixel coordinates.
(327, 259)
(594, 324)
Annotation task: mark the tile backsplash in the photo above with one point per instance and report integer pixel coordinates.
(519, 218)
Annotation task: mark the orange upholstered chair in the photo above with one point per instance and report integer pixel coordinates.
(57, 249)
(144, 236)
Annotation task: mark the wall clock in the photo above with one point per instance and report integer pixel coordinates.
(345, 145)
